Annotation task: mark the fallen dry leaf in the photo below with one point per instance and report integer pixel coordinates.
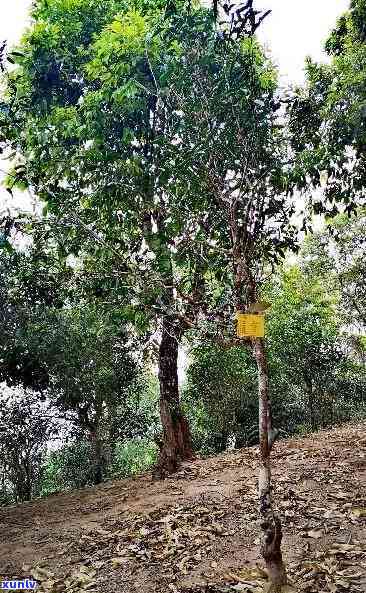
(315, 534)
(358, 512)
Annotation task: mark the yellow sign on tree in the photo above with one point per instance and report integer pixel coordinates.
(250, 326)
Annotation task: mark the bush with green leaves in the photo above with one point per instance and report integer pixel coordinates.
(69, 467)
(220, 396)
(133, 457)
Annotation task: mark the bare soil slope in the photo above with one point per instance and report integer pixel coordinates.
(197, 532)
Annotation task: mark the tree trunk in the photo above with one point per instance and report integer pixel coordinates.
(310, 394)
(21, 476)
(176, 445)
(99, 461)
(23, 490)
(271, 536)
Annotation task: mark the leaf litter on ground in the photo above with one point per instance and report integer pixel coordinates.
(186, 547)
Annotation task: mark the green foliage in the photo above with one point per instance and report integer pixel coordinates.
(228, 113)
(125, 144)
(67, 468)
(80, 353)
(328, 119)
(71, 466)
(86, 354)
(27, 424)
(133, 457)
(28, 282)
(315, 377)
(309, 348)
(130, 447)
(338, 255)
(220, 396)
(6, 498)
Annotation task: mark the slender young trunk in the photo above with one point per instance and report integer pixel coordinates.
(176, 445)
(271, 531)
(271, 536)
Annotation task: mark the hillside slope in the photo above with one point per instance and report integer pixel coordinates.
(196, 532)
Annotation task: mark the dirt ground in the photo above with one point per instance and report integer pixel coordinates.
(197, 531)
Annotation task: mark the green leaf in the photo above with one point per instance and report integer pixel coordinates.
(116, 27)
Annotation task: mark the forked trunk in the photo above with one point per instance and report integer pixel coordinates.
(176, 445)
(271, 536)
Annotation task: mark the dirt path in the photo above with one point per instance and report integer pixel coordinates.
(197, 531)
